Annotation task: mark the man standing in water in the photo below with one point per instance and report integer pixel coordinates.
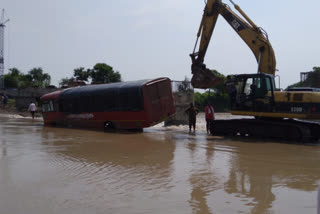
(209, 116)
(32, 108)
(192, 113)
(4, 101)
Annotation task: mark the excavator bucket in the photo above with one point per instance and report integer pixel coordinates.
(205, 78)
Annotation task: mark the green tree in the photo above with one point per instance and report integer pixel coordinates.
(12, 79)
(65, 82)
(25, 81)
(81, 74)
(39, 79)
(220, 101)
(103, 73)
(313, 79)
(200, 100)
(217, 96)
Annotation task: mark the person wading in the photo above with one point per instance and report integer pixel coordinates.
(192, 113)
(32, 109)
(4, 101)
(209, 116)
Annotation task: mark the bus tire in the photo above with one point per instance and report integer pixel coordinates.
(108, 125)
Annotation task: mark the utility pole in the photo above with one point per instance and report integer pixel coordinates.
(3, 21)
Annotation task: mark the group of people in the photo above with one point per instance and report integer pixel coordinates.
(192, 112)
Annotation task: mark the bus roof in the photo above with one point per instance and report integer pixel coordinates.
(51, 96)
(99, 89)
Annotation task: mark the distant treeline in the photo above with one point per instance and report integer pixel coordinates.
(220, 101)
(34, 78)
(100, 73)
(312, 79)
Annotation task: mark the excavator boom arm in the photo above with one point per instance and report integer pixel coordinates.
(252, 35)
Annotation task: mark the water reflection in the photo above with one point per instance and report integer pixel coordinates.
(3, 144)
(257, 169)
(128, 159)
(202, 183)
(256, 172)
(203, 180)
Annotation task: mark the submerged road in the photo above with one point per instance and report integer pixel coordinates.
(162, 170)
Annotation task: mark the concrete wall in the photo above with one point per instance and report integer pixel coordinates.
(23, 97)
(183, 95)
(182, 102)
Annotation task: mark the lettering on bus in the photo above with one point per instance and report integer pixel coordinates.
(80, 116)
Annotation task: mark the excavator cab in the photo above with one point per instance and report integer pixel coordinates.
(251, 92)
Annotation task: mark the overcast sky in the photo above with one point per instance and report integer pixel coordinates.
(145, 39)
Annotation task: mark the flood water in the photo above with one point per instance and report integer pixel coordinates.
(161, 170)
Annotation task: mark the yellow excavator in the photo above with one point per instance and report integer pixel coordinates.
(278, 114)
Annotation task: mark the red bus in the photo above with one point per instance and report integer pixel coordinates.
(123, 105)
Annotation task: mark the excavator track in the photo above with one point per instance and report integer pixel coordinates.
(286, 129)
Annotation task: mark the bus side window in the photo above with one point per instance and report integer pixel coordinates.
(61, 107)
(122, 100)
(134, 100)
(45, 107)
(98, 103)
(56, 106)
(75, 106)
(109, 101)
(51, 108)
(85, 104)
(66, 106)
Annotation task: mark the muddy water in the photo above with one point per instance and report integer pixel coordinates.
(162, 170)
